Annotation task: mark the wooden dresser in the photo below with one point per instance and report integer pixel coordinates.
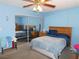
(34, 34)
(42, 33)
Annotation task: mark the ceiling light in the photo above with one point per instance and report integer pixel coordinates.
(37, 8)
(42, 0)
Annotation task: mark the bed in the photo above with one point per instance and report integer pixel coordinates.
(52, 46)
(20, 34)
(21, 31)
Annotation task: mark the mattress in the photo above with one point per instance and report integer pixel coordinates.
(21, 34)
(50, 44)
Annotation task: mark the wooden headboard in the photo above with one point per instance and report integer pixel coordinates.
(65, 30)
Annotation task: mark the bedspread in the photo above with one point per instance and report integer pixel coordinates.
(50, 44)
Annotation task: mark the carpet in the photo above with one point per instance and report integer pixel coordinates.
(23, 52)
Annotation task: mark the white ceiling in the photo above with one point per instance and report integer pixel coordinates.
(60, 4)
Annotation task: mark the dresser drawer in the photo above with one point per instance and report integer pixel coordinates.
(42, 33)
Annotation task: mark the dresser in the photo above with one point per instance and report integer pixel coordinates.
(42, 33)
(34, 34)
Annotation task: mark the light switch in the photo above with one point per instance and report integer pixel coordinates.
(6, 18)
(0, 29)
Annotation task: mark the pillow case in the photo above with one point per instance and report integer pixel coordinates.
(52, 32)
(62, 35)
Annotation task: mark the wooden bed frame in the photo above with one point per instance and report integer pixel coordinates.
(65, 30)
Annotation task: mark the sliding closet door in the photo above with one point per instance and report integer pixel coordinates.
(36, 21)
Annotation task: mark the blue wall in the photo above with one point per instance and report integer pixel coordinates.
(68, 17)
(7, 21)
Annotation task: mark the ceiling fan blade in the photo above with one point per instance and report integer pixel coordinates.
(28, 5)
(49, 5)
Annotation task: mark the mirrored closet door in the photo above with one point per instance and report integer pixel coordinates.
(28, 27)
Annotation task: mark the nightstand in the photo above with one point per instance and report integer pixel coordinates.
(42, 33)
(76, 53)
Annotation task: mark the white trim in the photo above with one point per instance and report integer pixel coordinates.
(26, 15)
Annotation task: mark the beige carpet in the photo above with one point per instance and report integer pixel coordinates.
(23, 52)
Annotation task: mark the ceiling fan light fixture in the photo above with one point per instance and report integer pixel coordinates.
(39, 4)
(42, 1)
(38, 1)
(37, 8)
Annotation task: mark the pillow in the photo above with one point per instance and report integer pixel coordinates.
(62, 35)
(52, 35)
(52, 32)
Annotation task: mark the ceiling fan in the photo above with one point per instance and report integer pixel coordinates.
(38, 3)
